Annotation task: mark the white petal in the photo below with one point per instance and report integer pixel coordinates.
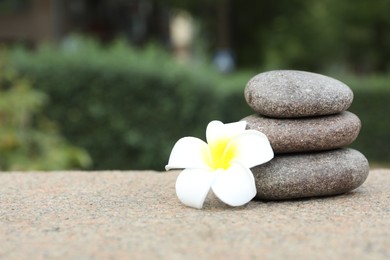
(217, 130)
(213, 131)
(192, 186)
(189, 152)
(235, 186)
(253, 148)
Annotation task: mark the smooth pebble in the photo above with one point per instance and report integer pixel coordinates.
(310, 175)
(290, 93)
(307, 134)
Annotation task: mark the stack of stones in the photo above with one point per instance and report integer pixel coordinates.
(304, 117)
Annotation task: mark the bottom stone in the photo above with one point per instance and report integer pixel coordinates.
(291, 176)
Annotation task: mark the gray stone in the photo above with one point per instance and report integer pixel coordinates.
(289, 93)
(307, 134)
(137, 215)
(310, 175)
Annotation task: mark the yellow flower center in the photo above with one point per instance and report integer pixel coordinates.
(222, 154)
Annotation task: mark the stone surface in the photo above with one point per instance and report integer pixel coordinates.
(289, 93)
(307, 134)
(310, 175)
(136, 215)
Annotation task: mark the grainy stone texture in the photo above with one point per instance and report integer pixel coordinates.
(307, 134)
(136, 215)
(289, 93)
(310, 175)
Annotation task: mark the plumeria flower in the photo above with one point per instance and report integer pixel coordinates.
(222, 164)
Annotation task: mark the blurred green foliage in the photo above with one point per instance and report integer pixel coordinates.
(372, 103)
(128, 107)
(29, 141)
(315, 35)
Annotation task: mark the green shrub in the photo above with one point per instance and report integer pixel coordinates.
(372, 103)
(29, 141)
(128, 107)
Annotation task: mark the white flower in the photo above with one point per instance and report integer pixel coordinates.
(222, 164)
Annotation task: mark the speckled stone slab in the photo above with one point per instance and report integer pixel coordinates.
(307, 134)
(289, 93)
(310, 175)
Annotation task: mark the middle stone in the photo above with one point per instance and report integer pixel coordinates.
(307, 134)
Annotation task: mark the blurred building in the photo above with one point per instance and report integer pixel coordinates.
(33, 21)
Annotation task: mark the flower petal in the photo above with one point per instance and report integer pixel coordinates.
(217, 130)
(252, 148)
(189, 152)
(193, 185)
(235, 186)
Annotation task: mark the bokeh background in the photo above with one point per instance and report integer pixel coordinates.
(113, 84)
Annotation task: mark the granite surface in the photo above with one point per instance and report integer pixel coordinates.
(310, 174)
(136, 215)
(291, 93)
(307, 134)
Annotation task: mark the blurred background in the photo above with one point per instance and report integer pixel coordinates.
(114, 84)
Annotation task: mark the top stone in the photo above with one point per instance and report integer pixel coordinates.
(290, 93)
